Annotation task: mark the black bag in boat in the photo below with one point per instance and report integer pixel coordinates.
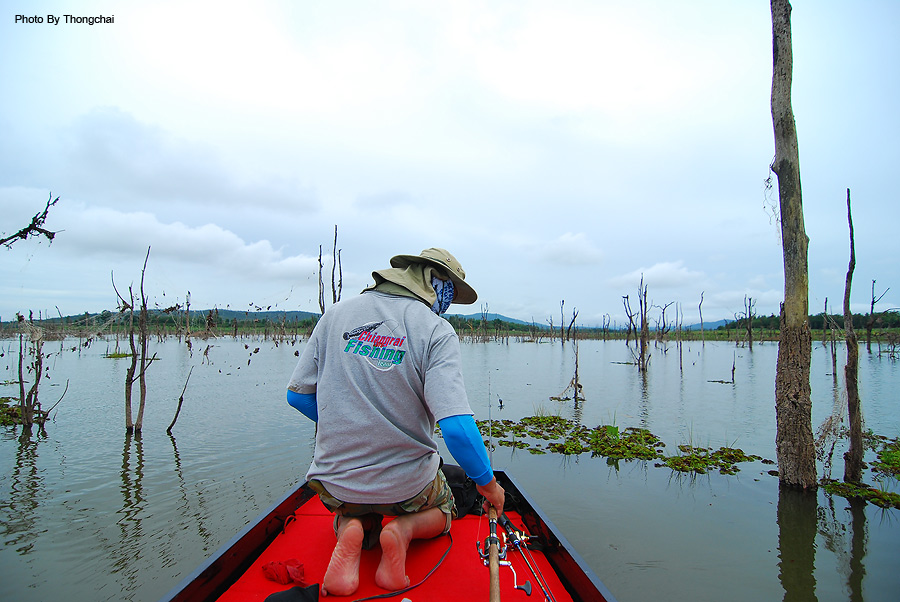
(464, 492)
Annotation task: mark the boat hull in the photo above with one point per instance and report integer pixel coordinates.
(235, 573)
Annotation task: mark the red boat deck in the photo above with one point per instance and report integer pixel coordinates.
(462, 575)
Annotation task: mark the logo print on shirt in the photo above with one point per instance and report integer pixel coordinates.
(365, 328)
(375, 342)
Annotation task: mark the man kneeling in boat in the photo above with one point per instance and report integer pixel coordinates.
(378, 372)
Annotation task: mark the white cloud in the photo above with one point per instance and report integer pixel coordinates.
(664, 275)
(111, 155)
(571, 250)
(101, 232)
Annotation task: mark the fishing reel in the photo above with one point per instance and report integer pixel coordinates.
(484, 549)
(492, 544)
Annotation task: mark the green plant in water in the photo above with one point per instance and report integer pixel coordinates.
(633, 444)
(702, 459)
(568, 437)
(516, 444)
(888, 462)
(569, 447)
(612, 431)
(879, 497)
(9, 414)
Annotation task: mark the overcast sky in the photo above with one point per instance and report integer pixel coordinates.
(561, 150)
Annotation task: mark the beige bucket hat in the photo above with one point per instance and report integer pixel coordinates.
(447, 263)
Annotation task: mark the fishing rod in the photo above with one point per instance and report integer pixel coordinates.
(519, 542)
(493, 554)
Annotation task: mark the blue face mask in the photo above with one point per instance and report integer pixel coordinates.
(445, 293)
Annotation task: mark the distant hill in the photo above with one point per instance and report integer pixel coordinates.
(544, 325)
(492, 317)
(708, 325)
(272, 316)
(225, 315)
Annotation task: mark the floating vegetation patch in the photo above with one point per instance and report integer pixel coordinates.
(888, 462)
(516, 444)
(544, 434)
(117, 355)
(879, 497)
(633, 443)
(9, 411)
(569, 447)
(702, 459)
(567, 437)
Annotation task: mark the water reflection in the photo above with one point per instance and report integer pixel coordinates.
(644, 408)
(18, 515)
(800, 520)
(131, 532)
(197, 511)
(849, 548)
(797, 513)
(132, 480)
(858, 535)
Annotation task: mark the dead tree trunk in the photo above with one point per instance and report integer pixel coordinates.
(631, 328)
(793, 406)
(571, 331)
(562, 322)
(872, 319)
(828, 335)
(321, 284)
(748, 313)
(31, 406)
(644, 358)
(336, 265)
(132, 366)
(128, 306)
(662, 329)
(21, 372)
(180, 402)
(853, 459)
(700, 307)
(187, 316)
(144, 335)
(30, 411)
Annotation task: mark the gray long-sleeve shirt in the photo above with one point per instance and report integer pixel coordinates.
(384, 369)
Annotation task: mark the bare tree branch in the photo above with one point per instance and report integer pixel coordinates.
(35, 228)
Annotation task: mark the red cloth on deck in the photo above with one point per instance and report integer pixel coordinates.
(289, 571)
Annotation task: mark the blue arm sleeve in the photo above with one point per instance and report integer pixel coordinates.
(304, 403)
(465, 444)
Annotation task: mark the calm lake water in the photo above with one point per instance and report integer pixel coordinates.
(88, 513)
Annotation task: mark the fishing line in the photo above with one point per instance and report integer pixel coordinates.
(411, 587)
(490, 451)
(491, 425)
(520, 544)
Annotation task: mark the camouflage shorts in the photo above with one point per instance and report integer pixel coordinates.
(436, 494)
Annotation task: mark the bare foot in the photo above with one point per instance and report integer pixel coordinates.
(342, 575)
(395, 538)
(391, 574)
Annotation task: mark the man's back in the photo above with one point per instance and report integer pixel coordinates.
(384, 369)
